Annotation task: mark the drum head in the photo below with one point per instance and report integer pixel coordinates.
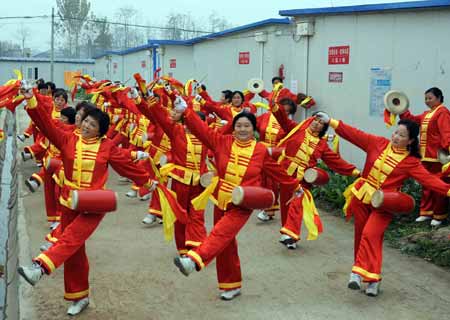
(377, 199)
(74, 200)
(310, 175)
(206, 178)
(443, 156)
(237, 196)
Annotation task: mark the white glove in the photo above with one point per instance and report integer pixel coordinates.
(133, 93)
(299, 193)
(144, 137)
(198, 98)
(323, 116)
(141, 155)
(153, 186)
(26, 88)
(180, 104)
(115, 118)
(132, 126)
(160, 82)
(223, 122)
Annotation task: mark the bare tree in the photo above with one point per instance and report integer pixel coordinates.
(73, 15)
(126, 35)
(23, 33)
(218, 23)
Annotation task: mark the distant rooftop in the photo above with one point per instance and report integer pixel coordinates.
(410, 5)
(152, 43)
(58, 60)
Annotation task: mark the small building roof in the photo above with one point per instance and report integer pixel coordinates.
(57, 60)
(410, 5)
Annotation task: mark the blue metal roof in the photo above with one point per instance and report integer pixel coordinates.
(58, 60)
(152, 43)
(368, 8)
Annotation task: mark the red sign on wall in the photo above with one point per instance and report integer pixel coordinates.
(339, 55)
(115, 65)
(143, 64)
(173, 63)
(244, 57)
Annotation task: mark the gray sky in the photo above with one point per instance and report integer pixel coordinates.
(237, 12)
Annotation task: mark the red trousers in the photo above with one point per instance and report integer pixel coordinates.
(192, 234)
(51, 195)
(370, 225)
(432, 203)
(269, 183)
(293, 225)
(221, 244)
(70, 250)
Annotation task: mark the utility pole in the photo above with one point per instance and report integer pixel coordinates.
(52, 47)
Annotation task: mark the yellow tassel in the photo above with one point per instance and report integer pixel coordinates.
(348, 195)
(335, 143)
(168, 215)
(309, 212)
(261, 105)
(201, 200)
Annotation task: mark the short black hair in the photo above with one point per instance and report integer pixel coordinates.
(42, 85)
(102, 119)
(86, 105)
(60, 93)
(290, 103)
(413, 134)
(51, 85)
(227, 94)
(436, 92)
(244, 114)
(69, 112)
(277, 78)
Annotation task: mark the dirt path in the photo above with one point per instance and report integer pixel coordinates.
(133, 277)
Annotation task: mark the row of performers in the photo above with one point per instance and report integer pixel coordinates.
(238, 160)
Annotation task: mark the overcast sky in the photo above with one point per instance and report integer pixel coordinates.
(237, 12)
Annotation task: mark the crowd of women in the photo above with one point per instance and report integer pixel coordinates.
(181, 149)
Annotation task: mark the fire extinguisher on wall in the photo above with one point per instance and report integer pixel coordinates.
(281, 71)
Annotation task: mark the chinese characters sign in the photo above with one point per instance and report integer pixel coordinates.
(339, 55)
(244, 57)
(335, 77)
(173, 63)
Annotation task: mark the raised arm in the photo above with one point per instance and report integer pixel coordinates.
(282, 118)
(353, 135)
(209, 137)
(408, 115)
(161, 118)
(36, 109)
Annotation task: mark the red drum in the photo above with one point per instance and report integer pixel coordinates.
(52, 165)
(275, 152)
(316, 176)
(393, 202)
(94, 201)
(253, 197)
(206, 178)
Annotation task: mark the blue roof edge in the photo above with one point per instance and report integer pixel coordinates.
(367, 8)
(152, 43)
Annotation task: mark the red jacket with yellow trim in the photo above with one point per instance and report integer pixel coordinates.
(262, 123)
(260, 161)
(321, 150)
(409, 167)
(177, 135)
(437, 133)
(90, 169)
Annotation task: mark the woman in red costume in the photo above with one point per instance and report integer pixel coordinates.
(86, 157)
(241, 161)
(388, 164)
(434, 135)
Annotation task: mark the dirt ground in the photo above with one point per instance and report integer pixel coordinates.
(133, 276)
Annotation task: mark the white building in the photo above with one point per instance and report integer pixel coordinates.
(345, 57)
(36, 68)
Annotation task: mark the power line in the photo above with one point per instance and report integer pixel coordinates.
(109, 22)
